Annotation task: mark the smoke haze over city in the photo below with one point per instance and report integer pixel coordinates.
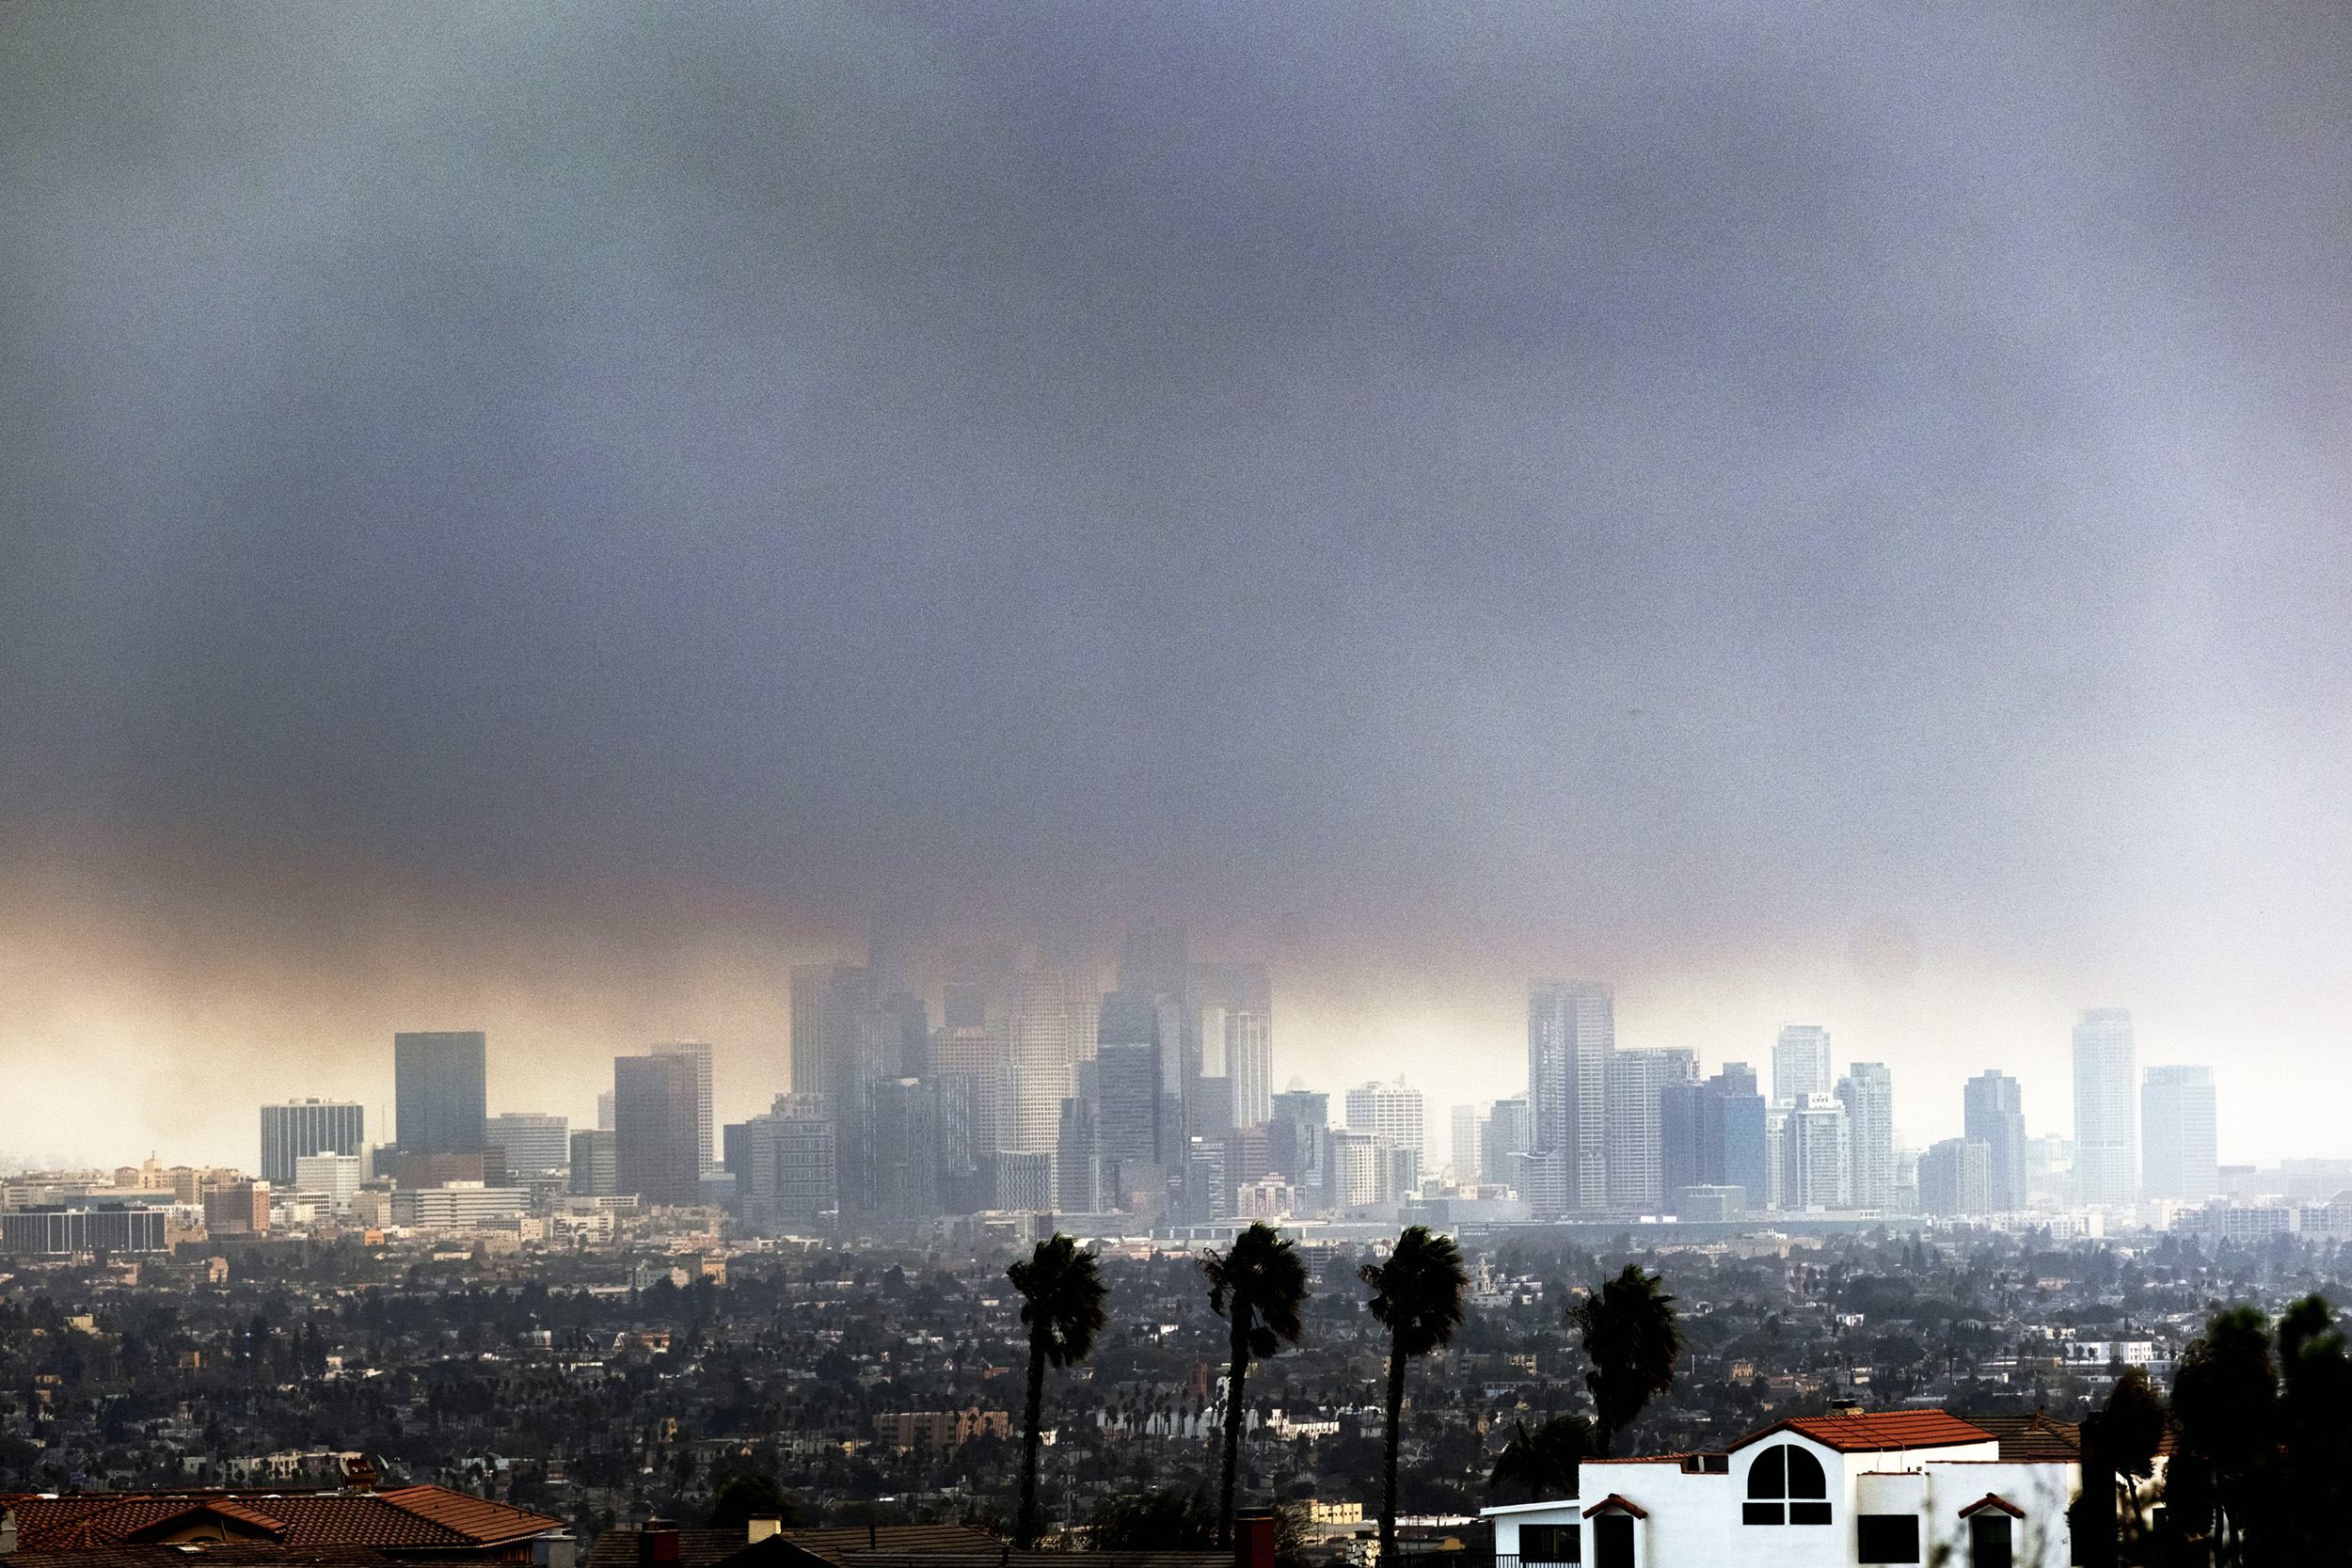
(539, 521)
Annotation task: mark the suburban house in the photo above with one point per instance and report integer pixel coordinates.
(1850, 1487)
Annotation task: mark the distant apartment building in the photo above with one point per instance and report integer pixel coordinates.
(534, 1144)
(2107, 1105)
(2179, 1134)
(1815, 1155)
(237, 1209)
(784, 1165)
(1503, 1139)
(1393, 1113)
(301, 1127)
(439, 1093)
(1800, 1063)
(1355, 1168)
(1468, 1134)
(1024, 1181)
(335, 1176)
(1868, 1092)
(459, 1206)
(61, 1231)
(1993, 1114)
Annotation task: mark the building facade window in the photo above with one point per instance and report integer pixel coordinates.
(1550, 1543)
(1787, 1486)
(1613, 1541)
(1989, 1540)
(1886, 1537)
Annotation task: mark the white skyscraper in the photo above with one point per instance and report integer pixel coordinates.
(2106, 1124)
(1868, 1092)
(1816, 1154)
(2179, 1158)
(1468, 1149)
(1389, 1112)
(1249, 1061)
(1800, 1063)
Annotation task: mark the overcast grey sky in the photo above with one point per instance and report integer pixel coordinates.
(1695, 496)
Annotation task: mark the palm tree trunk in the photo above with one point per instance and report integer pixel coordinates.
(1396, 1416)
(1233, 1377)
(1025, 1532)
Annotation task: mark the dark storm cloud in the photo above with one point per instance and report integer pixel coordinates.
(1640, 472)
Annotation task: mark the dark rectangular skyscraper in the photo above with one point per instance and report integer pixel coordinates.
(1993, 1114)
(655, 1105)
(440, 1094)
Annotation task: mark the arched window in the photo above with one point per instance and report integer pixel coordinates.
(1787, 1486)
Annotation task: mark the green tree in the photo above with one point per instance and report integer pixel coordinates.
(741, 1498)
(1548, 1456)
(1632, 1339)
(2316, 1432)
(2226, 1397)
(1062, 1294)
(1416, 1295)
(1257, 1284)
(1172, 1520)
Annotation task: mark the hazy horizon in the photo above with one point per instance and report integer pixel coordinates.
(539, 521)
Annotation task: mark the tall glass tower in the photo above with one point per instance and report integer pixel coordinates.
(438, 1088)
(2107, 1120)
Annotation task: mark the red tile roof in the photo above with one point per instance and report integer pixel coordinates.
(413, 1516)
(1878, 1430)
(1613, 1500)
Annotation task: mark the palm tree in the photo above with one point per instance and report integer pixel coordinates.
(1631, 1340)
(1258, 1283)
(1062, 1294)
(2226, 1397)
(1418, 1295)
(1548, 1456)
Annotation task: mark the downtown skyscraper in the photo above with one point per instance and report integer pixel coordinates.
(440, 1094)
(1993, 1113)
(1868, 1092)
(2179, 1153)
(1572, 1034)
(2106, 1104)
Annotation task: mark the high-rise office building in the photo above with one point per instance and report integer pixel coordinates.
(1052, 1031)
(440, 1091)
(1127, 1074)
(1078, 1159)
(1506, 1141)
(1993, 1113)
(1571, 1032)
(1463, 1149)
(335, 1174)
(301, 1127)
(2106, 1106)
(1711, 1134)
(784, 1165)
(1955, 1178)
(1355, 1168)
(596, 1170)
(604, 1110)
(1389, 1112)
(906, 1144)
(1242, 996)
(1800, 1063)
(697, 1051)
(983, 1053)
(534, 1144)
(1868, 1092)
(1025, 1181)
(2178, 1130)
(654, 1101)
(1298, 1146)
(1816, 1155)
(1636, 1166)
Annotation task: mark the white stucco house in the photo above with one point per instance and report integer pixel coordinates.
(1848, 1488)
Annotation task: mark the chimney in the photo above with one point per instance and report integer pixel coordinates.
(8, 1531)
(554, 1549)
(1253, 1541)
(763, 1526)
(657, 1543)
